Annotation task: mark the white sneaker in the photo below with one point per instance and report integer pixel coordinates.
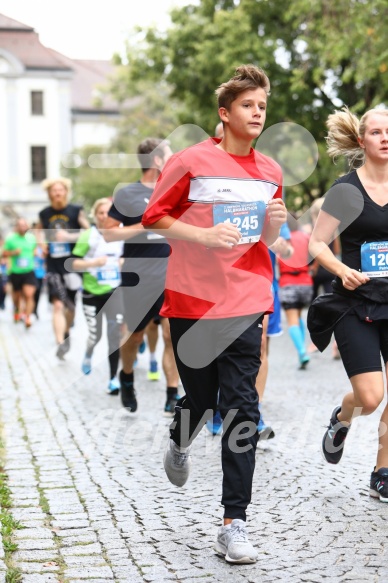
(177, 463)
(233, 543)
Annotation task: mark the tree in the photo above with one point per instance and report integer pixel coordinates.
(319, 55)
(96, 180)
(101, 170)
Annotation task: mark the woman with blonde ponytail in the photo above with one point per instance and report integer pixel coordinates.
(357, 309)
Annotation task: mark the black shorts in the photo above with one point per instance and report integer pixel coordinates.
(131, 315)
(18, 280)
(57, 290)
(362, 344)
(295, 297)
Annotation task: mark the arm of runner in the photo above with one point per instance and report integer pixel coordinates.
(223, 235)
(82, 220)
(40, 238)
(282, 248)
(277, 216)
(11, 252)
(323, 233)
(115, 231)
(82, 264)
(63, 236)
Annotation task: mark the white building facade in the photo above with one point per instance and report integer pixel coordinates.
(46, 111)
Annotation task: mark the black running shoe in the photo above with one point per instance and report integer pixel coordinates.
(379, 484)
(128, 394)
(169, 408)
(66, 343)
(334, 439)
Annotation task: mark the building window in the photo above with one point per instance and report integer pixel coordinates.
(38, 163)
(36, 102)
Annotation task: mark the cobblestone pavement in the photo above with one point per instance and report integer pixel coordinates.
(87, 481)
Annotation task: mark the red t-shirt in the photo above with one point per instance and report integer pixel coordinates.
(295, 270)
(213, 282)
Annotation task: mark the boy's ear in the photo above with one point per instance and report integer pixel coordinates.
(224, 114)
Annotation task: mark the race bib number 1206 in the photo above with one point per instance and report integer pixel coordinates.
(374, 259)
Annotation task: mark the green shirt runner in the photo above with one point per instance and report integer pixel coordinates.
(24, 262)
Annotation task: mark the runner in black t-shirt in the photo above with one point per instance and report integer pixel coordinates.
(357, 311)
(143, 272)
(61, 222)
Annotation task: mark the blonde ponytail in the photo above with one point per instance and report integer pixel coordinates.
(342, 138)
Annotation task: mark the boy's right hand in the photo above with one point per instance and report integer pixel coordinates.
(223, 235)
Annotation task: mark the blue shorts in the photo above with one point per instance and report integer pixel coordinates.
(274, 320)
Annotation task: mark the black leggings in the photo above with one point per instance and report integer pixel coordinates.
(222, 355)
(94, 307)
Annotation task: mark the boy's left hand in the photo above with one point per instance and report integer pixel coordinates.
(277, 212)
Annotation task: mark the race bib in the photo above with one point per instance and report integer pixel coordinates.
(109, 274)
(59, 250)
(248, 217)
(374, 259)
(22, 262)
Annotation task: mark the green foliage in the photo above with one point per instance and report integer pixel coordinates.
(152, 114)
(13, 575)
(318, 54)
(91, 183)
(8, 524)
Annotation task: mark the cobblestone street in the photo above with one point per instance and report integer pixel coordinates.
(88, 485)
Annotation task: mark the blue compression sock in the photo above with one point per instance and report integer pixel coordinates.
(297, 338)
(302, 329)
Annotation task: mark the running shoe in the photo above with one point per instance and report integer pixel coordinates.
(169, 408)
(153, 373)
(27, 322)
(233, 543)
(16, 317)
(214, 425)
(265, 431)
(64, 347)
(128, 394)
(142, 347)
(177, 463)
(61, 351)
(86, 366)
(379, 484)
(334, 438)
(114, 386)
(303, 361)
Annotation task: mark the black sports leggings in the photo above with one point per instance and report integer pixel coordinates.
(94, 307)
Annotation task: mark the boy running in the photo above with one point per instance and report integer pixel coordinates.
(219, 203)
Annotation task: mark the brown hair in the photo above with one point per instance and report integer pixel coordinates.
(246, 77)
(344, 130)
(148, 149)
